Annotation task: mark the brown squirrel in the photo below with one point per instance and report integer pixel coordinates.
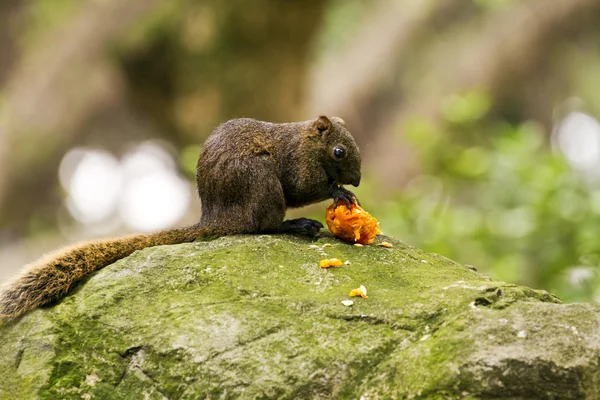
(249, 172)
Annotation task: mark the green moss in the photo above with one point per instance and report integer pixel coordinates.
(255, 317)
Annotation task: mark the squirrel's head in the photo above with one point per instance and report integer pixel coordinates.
(341, 157)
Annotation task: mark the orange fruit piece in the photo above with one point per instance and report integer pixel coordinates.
(361, 291)
(353, 224)
(332, 262)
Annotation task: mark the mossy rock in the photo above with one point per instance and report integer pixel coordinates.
(255, 317)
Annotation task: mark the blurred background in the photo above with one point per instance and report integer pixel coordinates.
(477, 119)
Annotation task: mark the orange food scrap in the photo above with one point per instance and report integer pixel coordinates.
(332, 262)
(352, 224)
(361, 291)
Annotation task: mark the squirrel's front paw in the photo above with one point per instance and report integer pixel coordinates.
(302, 226)
(339, 193)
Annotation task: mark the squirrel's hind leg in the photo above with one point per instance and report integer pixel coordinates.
(268, 204)
(244, 196)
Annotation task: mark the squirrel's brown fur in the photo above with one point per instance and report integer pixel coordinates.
(248, 173)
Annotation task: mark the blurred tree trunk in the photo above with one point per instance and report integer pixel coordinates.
(54, 86)
(352, 82)
(492, 54)
(218, 60)
(491, 51)
(10, 27)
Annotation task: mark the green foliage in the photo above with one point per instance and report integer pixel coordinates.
(189, 158)
(467, 108)
(496, 196)
(341, 19)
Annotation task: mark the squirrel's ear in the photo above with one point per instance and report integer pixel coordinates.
(338, 120)
(321, 125)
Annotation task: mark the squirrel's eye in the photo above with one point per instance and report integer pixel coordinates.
(339, 152)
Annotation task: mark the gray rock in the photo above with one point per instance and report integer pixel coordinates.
(255, 317)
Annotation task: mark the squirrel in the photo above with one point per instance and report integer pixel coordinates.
(248, 173)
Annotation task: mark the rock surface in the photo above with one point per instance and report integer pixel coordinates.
(255, 317)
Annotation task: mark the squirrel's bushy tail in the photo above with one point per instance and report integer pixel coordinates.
(52, 276)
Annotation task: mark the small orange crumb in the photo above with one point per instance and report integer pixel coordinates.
(385, 244)
(332, 262)
(352, 224)
(361, 291)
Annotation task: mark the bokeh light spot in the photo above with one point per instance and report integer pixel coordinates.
(93, 179)
(143, 189)
(578, 137)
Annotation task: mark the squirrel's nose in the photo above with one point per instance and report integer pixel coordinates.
(355, 182)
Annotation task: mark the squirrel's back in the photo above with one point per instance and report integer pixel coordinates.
(241, 137)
